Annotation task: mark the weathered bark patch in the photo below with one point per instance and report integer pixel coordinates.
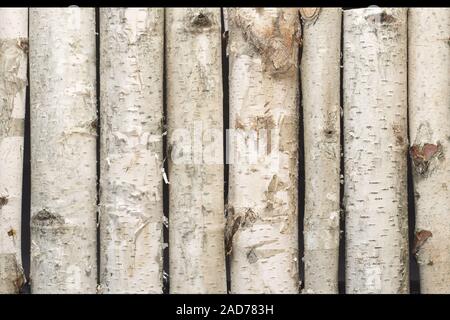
(11, 275)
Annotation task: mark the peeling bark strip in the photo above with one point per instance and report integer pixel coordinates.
(13, 82)
(195, 135)
(320, 72)
(63, 150)
(375, 111)
(131, 204)
(429, 117)
(264, 93)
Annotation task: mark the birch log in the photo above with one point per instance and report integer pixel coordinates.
(264, 95)
(320, 79)
(375, 148)
(195, 117)
(63, 150)
(429, 118)
(131, 210)
(13, 82)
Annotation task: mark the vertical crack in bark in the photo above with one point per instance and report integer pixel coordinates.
(166, 154)
(26, 183)
(342, 262)
(226, 126)
(301, 176)
(95, 126)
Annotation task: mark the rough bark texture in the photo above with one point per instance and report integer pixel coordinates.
(320, 79)
(429, 116)
(131, 203)
(63, 150)
(375, 147)
(13, 82)
(195, 117)
(264, 95)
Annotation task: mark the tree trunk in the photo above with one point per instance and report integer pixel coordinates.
(375, 148)
(320, 79)
(131, 210)
(63, 150)
(264, 94)
(13, 82)
(195, 117)
(429, 116)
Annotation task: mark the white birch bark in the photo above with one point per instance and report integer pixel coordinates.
(63, 150)
(375, 147)
(264, 94)
(195, 136)
(429, 118)
(13, 82)
(131, 202)
(320, 79)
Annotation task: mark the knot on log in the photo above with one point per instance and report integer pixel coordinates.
(3, 201)
(201, 20)
(198, 21)
(47, 218)
(381, 18)
(422, 155)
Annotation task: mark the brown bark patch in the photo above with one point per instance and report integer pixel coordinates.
(93, 125)
(429, 150)
(12, 233)
(19, 282)
(423, 155)
(238, 124)
(232, 225)
(419, 239)
(22, 44)
(3, 201)
(398, 133)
